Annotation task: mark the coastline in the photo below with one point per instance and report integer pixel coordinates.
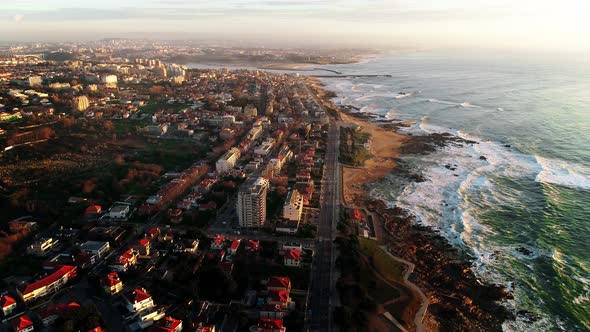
(457, 299)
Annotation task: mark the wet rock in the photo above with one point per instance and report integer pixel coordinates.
(524, 251)
(483, 158)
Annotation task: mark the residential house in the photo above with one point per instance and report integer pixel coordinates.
(278, 283)
(112, 284)
(233, 249)
(168, 324)
(8, 304)
(138, 300)
(42, 246)
(218, 243)
(50, 313)
(97, 248)
(125, 261)
(270, 325)
(22, 324)
(292, 258)
(143, 246)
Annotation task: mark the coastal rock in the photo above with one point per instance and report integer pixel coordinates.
(483, 158)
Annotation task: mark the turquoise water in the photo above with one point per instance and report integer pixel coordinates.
(524, 212)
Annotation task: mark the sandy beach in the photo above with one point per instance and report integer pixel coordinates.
(384, 147)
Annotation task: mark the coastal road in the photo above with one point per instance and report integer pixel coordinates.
(322, 285)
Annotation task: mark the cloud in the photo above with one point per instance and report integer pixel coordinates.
(18, 17)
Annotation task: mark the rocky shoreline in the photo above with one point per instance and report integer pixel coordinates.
(458, 300)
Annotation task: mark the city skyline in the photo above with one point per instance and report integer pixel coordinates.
(385, 23)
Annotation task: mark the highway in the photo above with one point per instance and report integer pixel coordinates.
(322, 285)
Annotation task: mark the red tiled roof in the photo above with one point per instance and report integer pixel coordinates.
(275, 282)
(153, 232)
(97, 329)
(235, 244)
(50, 279)
(293, 254)
(21, 323)
(253, 245)
(143, 242)
(279, 296)
(268, 323)
(357, 215)
(6, 301)
(166, 324)
(112, 279)
(141, 295)
(93, 209)
(218, 240)
(58, 309)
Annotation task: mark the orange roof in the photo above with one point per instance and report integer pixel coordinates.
(140, 295)
(356, 214)
(112, 279)
(219, 239)
(235, 244)
(50, 279)
(93, 209)
(279, 296)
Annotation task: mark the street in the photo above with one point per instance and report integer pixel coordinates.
(322, 290)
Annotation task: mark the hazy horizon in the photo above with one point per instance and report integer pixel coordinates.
(526, 25)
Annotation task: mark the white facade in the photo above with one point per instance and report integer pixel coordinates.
(228, 161)
(96, 248)
(251, 204)
(293, 207)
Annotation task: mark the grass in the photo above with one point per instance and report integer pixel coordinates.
(153, 107)
(379, 290)
(352, 149)
(382, 262)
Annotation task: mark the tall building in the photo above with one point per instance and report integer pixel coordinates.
(80, 103)
(293, 207)
(252, 202)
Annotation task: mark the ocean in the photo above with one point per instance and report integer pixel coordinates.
(523, 212)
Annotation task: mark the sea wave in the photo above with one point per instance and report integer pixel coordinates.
(563, 173)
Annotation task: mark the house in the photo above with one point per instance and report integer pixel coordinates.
(206, 328)
(167, 237)
(233, 249)
(97, 248)
(279, 297)
(168, 324)
(270, 325)
(218, 242)
(125, 261)
(49, 284)
(119, 211)
(93, 210)
(252, 245)
(22, 324)
(143, 246)
(153, 233)
(138, 300)
(292, 245)
(186, 245)
(278, 283)
(112, 284)
(41, 247)
(287, 226)
(8, 304)
(292, 258)
(52, 312)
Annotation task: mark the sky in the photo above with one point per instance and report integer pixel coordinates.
(526, 24)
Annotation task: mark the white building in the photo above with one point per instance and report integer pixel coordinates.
(35, 81)
(251, 204)
(119, 211)
(293, 207)
(138, 300)
(108, 79)
(228, 161)
(96, 248)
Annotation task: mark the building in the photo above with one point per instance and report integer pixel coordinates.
(168, 324)
(125, 261)
(233, 249)
(270, 325)
(292, 258)
(293, 206)
(52, 312)
(228, 160)
(22, 324)
(6, 117)
(251, 205)
(218, 243)
(119, 211)
(108, 79)
(97, 248)
(138, 300)
(35, 81)
(8, 304)
(278, 283)
(287, 226)
(112, 284)
(50, 284)
(80, 103)
(41, 247)
(143, 246)
(250, 111)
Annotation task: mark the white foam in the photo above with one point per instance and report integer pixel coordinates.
(563, 173)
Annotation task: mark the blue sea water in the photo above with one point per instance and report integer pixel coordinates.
(523, 213)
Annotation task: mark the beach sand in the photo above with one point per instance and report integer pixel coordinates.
(385, 148)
